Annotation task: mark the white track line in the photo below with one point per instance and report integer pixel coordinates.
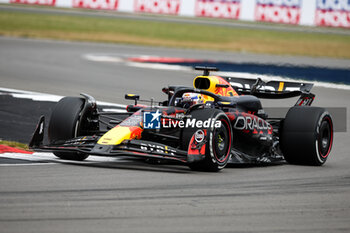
(25, 164)
(112, 110)
(49, 158)
(122, 58)
(37, 96)
(158, 66)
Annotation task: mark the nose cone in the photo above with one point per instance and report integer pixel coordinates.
(120, 133)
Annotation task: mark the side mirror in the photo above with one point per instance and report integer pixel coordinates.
(132, 97)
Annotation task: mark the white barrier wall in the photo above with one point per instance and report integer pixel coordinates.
(331, 13)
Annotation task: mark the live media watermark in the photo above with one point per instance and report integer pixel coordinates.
(153, 120)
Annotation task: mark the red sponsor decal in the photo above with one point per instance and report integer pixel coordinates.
(135, 132)
(35, 2)
(96, 4)
(218, 8)
(277, 14)
(170, 7)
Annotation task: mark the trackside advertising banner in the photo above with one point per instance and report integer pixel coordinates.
(327, 13)
(218, 8)
(96, 4)
(278, 11)
(333, 13)
(169, 7)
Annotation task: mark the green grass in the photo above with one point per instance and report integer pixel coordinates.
(14, 144)
(128, 31)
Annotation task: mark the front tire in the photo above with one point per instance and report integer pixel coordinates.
(219, 140)
(65, 124)
(307, 136)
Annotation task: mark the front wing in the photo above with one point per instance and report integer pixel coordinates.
(88, 145)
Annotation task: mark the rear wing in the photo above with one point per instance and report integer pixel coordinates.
(269, 90)
(273, 89)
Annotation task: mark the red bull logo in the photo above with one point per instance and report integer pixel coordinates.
(278, 11)
(218, 8)
(333, 13)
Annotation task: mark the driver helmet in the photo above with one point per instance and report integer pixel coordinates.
(189, 99)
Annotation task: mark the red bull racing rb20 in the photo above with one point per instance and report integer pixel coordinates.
(219, 120)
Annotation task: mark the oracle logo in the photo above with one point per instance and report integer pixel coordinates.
(333, 13)
(218, 8)
(170, 7)
(96, 4)
(278, 11)
(35, 2)
(251, 123)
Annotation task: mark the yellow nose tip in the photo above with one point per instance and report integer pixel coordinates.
(115, 136)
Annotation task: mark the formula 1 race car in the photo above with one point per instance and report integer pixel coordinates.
(217, 121)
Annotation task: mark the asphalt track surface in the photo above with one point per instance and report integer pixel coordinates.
(131, 196)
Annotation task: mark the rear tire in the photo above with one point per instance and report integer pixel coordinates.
(219, 140)
(64, 124)
(307, 135)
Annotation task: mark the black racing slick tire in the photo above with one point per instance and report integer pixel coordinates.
(218, 140)
(64, 125)
(307, 135)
